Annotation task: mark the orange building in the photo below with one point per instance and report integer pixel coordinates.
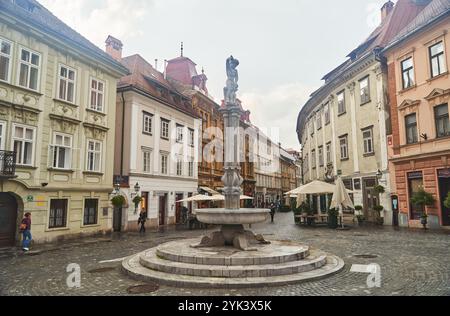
(419, 92)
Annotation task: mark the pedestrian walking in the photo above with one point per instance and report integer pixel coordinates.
(142, 220)
(272, 212)
(25, 229)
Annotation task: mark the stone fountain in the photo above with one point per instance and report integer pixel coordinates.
(232, 218)
(231, 257)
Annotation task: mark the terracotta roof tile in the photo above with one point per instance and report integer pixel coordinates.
(147, 79)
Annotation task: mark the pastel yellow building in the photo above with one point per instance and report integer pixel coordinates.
(57, 113)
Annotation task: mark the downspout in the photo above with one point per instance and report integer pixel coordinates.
(123, 135)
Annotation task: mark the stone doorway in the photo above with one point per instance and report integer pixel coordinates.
(444, 189)
(8, 220)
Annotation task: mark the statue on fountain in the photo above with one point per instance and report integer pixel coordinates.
(232, 81)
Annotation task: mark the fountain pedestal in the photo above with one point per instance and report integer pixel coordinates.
(232, 232)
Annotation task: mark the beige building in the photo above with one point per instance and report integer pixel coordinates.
(57, 113)
(157, 144)
(343, 128)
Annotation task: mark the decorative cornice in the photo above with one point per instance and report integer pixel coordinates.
(437, 93)
(408, 103)
(101, 128)
(65, 119)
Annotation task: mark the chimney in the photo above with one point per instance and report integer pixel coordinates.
(386, 9)
(156, 64)
(114, 48)
(165, 68)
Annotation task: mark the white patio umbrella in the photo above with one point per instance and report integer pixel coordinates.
(315, 187)
(341, 198)
(201, 198)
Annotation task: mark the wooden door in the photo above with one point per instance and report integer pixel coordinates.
(162, 209)
(8, 220)
(179, 206)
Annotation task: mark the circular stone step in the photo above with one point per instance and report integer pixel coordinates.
(276, 252)
(135, 270)
(150, 266)
(150, 260)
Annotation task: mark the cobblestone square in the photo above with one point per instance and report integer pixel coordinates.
(413, 262)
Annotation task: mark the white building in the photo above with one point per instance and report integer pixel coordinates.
(157, 137)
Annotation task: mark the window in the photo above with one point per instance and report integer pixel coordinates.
(344, 147)
(327, 113)
(341, 103)
(23, 144)
(66, 84)
(58, 213)
(94, 155)
(321, 163)
(191, 138)
(368, 141)
(311, 127)
(147, 123)
(2, 135)
(364, 90)
(415, 184)
(269, 147)
(97, 95)
(191, 167)
(29, 67)
(180, 132)
(165, 129)
(146, 161)
(408, 73)
(313, 159)
(442, 120)
(179, 166)
(319, 120)
(90, 212)
(329, 153)
(437, 59)
(5, 60)
(411, 129)
(61, 151)
(164, 164)
(306, 163)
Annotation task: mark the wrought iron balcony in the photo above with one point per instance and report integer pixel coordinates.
(7, 164)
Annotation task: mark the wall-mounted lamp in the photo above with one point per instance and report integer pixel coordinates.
(424, 136)
(379, 174)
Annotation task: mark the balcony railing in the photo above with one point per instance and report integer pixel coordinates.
(7, 164)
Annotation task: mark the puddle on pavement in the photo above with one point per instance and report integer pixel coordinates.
(143, 289)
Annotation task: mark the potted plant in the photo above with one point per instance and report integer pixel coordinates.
(297, 213)
(379, 219)
(423, 199)
(137, 200)
(359, 214)
(424, 220)
(379, 189)
(333, 218)
(447, 201)
(118, 201)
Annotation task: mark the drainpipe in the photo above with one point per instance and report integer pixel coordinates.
(123, 134)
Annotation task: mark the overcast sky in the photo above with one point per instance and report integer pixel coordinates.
(284, 46)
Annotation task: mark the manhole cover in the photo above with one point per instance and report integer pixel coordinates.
(143, 289)
(102, 270)
(366, 256)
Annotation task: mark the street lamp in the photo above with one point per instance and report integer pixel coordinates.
(137, 188)
(379, 174)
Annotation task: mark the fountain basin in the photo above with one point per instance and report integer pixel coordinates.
(218, 216)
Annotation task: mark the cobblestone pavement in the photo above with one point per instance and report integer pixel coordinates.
(413, 262)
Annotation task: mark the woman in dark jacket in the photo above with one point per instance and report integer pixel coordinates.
(142, 220)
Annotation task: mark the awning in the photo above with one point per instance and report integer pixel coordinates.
(210, 191)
